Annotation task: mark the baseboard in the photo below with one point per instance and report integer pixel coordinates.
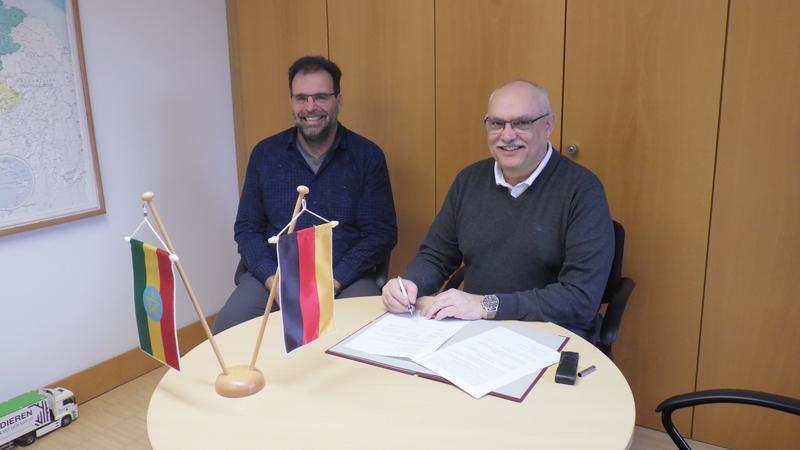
(114, 372)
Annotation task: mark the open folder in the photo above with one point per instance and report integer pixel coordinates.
(516, 390)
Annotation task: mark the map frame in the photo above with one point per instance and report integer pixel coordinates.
(59, 213)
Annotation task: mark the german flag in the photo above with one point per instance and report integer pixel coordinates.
(154, 303)
(306, 288)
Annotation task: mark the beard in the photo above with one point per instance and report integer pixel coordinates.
(315, 133)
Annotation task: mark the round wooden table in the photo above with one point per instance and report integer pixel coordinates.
(313, 400)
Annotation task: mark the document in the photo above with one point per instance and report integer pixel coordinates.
(404, 336)
(516, 390)
(484, 362)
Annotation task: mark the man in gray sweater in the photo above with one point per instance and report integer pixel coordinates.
(531, 227)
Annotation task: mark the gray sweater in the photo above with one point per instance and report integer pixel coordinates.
(545, 254)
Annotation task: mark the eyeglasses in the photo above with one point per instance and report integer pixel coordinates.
(302, 99)
(522, 124)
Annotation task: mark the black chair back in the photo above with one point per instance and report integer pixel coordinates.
(616, 264)
(618, 290)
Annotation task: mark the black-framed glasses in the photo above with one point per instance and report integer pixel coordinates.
(520, 124)
(323, 97)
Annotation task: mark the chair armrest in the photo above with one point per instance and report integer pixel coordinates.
(741, 396)
(382, 272)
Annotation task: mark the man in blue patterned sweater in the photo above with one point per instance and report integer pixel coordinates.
(348, 182)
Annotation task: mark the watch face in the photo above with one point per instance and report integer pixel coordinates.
(490, 302)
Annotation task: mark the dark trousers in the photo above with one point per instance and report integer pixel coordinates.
(249, 300)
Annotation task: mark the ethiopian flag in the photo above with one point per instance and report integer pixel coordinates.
(306, 289)
(154, 302)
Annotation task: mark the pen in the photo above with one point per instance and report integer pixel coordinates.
(405, 294)
(587, 371)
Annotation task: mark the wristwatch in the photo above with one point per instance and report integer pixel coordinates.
(490, 303)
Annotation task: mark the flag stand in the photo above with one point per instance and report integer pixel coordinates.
(230, 381)
(301, 192)
(242, 380)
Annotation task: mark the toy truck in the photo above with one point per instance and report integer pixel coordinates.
(35, 413)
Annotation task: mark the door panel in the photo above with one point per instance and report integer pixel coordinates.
(266, 37)
(750, 336)
(385, 50)
(480, 45)
(643, 113)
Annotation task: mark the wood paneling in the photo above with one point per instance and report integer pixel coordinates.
(643, 110)
(385, 50)
(479, 46)
(750, 335)
(266, 37)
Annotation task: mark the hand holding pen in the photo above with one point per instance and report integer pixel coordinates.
(405, 294)
(399, 295)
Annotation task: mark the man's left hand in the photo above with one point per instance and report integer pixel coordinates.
(455, 303)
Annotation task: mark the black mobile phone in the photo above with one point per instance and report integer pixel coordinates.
(567, 369)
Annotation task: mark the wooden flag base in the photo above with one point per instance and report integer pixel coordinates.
(240, 381)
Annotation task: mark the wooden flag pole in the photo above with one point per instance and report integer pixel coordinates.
(301, 192)
(148, 197)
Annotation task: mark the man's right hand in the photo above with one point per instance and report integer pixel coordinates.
(393, 298)
(268, 282)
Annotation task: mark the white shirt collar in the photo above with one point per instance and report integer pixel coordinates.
(517, 190)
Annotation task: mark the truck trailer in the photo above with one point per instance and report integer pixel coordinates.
(33, 414)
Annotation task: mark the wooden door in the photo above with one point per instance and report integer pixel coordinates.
(750, 335)
(641, 102)
(265, 38)
(385, 49)
(480, 45)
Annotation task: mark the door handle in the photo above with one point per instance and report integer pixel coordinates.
(572, 149)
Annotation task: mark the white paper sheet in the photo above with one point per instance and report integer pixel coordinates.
(403, 336)
(484, 362)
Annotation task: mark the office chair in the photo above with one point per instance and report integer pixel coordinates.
(618, 290)
(741, 396)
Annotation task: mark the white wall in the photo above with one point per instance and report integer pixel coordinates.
(159, 82)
